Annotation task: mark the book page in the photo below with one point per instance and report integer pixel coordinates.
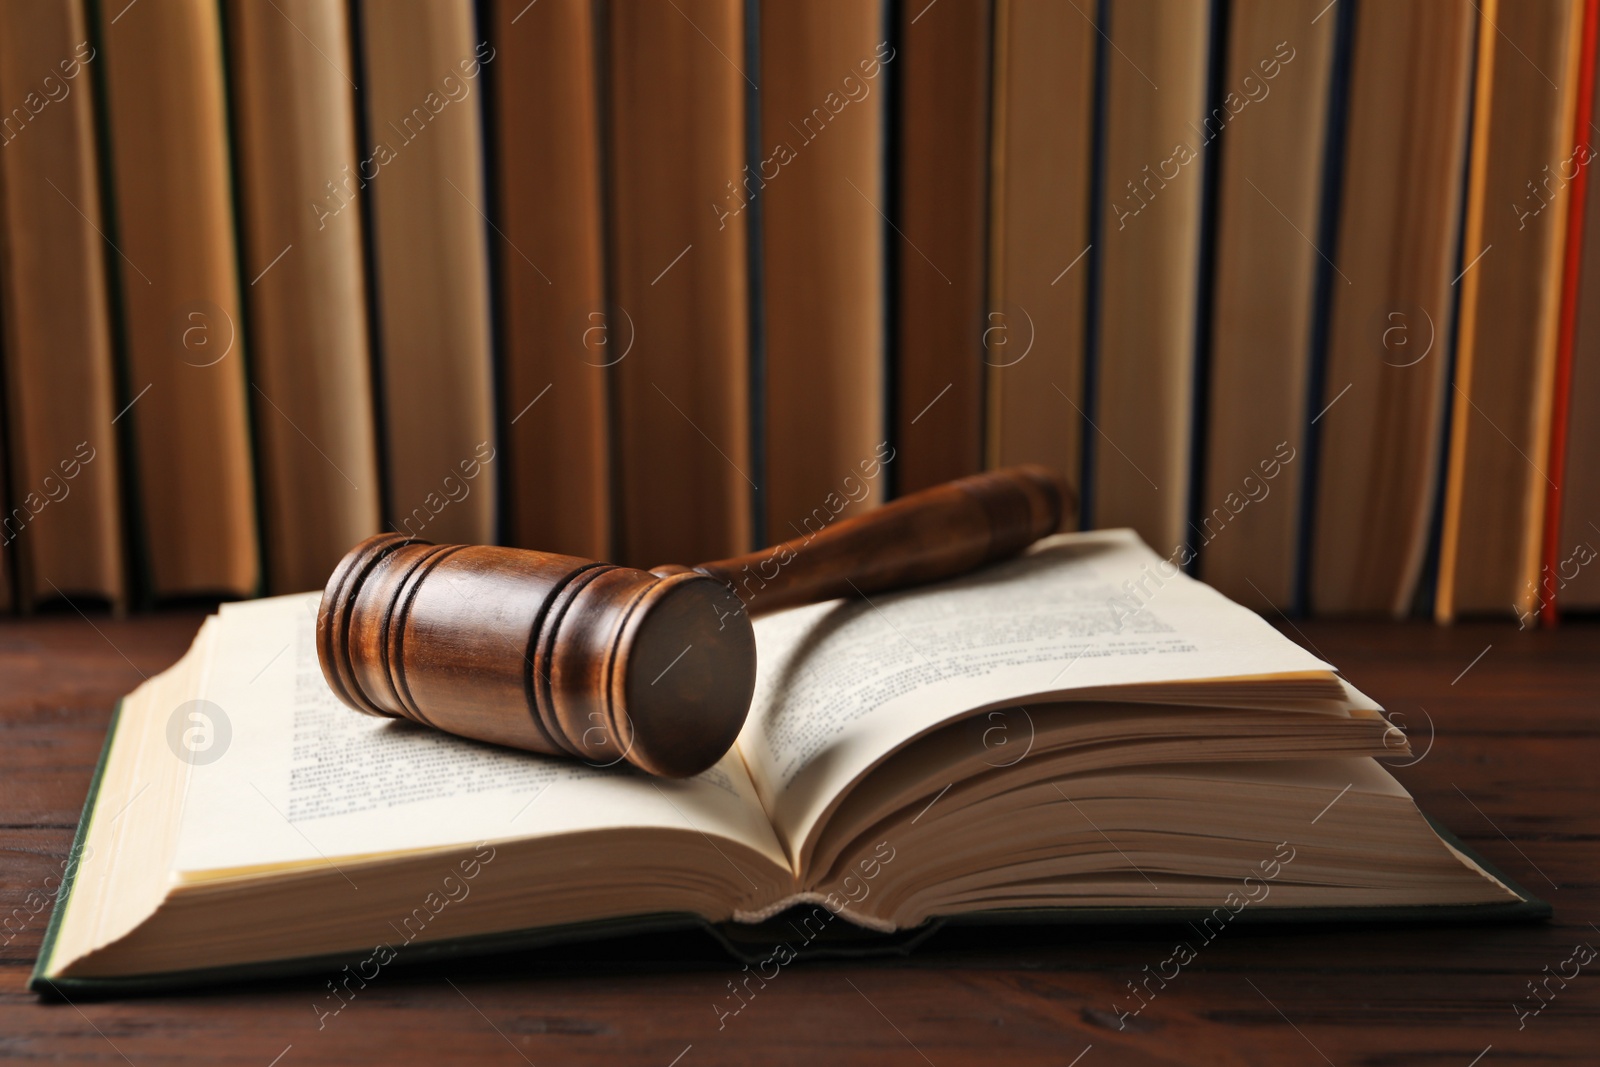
(121, 870)
(842, 684)
(299, 778)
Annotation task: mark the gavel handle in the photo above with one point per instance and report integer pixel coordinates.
(937, 533)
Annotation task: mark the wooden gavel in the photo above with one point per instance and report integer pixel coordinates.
(570, 657)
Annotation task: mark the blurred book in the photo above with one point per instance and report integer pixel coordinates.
(1522, 166)
(1034, 328)
(1380, 410)
(301, 243)
(63, 530)
(1154, 154)
(825, 73)
(1293, 289)
(940, 217)
(679, 284)
(1274, 125)
(422, 170)
(1567, 579)
(193, 490)
(556, 338)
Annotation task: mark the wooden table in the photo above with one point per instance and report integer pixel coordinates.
(1512, 769)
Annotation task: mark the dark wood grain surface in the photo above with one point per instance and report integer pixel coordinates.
(1512, 769)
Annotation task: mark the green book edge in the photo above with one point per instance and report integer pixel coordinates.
(747, 943)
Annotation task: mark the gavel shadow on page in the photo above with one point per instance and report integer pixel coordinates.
(570, 657)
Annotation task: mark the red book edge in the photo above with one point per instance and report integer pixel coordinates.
(1561, 397)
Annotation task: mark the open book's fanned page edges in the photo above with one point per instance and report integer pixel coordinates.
(747, 943)
(69, 874)
(758, 942)
(1221, 650)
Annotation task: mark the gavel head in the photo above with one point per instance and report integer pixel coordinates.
(538, 651)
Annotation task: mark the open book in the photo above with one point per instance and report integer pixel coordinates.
(1080, 728)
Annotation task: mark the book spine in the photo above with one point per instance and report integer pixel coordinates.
(64, 524)
(1150, 228)
(559, 347)
(821, 264)
(678, 264)
(424, 173)
(1572, 265)
(301, 242)
(182, 317)
(1033, 333)
(1495, 500)
(941, 218)
(1271, 111)
(1377, 416)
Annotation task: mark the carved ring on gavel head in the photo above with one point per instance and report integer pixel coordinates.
(570, 657)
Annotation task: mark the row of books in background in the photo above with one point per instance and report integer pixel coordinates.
(1304, 292)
